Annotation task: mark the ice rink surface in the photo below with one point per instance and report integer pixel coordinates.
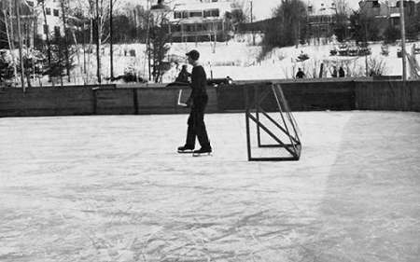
(113, 188)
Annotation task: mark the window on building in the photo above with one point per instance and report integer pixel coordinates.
(310, 9)
(46, 29)
(176, 28)
(189, 28)
(215, 13)
(56, 12)
(211, 13)
(207, 13)
(177, 15)
(57, 31)
(48, 11)
(180, 14)
(196, 14)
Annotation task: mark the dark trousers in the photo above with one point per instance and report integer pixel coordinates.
(196, 126)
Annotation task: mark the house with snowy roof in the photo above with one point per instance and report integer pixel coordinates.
(197, 21)
(321, 17)
(388, 12)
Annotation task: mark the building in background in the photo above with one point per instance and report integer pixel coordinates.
(321, 19)
(209, 20)
(52, 22)
(387, 13)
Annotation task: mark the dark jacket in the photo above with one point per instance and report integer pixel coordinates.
(300, 74)
(198, 82)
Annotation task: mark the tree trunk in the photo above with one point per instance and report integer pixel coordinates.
(9, 42)
(98, 43)
(111, 32)
(12, 42)
(28, 73)
(47, 36)
(22, 68)
(66, 51)
(90, 48)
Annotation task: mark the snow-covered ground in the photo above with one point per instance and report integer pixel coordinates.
(112, 188)
(239, 60)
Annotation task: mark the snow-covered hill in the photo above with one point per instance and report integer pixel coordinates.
(239, 60)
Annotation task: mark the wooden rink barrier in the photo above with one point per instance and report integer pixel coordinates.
(306, 95)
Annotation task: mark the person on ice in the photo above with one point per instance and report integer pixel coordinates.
(197, 102)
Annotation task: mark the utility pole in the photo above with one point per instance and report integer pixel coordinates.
(111, 32)
(148, 41)
(22, 69)
(403, 51)
(252, 20)
(98, 43)
(366, 42)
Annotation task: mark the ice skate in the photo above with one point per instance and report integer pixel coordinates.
(202, 152)
(185, 150)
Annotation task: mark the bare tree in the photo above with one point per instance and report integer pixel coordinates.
(98, 13)
(5, 24)
(342, 12)
(111, 39)
(46, 30)
(158, 39)
(8, 12)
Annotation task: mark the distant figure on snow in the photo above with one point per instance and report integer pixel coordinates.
(229, 80)
(341, 72)
(183, 75)
(334, 73)
(300, 73)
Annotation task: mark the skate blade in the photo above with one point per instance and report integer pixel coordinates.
(186, 152)
(202, 154)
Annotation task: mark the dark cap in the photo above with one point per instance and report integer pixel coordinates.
(194, 54)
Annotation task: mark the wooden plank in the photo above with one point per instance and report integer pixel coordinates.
(114, 101)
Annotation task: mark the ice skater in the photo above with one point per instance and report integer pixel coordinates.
(197, 102)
